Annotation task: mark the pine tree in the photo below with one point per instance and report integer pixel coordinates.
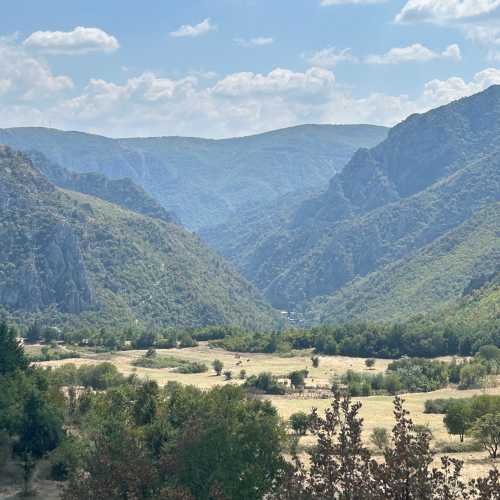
(12, 356)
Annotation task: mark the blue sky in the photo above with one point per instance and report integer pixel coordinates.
(219, 68)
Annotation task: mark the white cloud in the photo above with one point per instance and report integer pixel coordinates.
(414, 53)
(221, 106)
(479, 20)
(438, 92)
(328, 3)
(279, 81)
(440, 11)
(254, 42)
(26, 77)
(329, 57)
(79, 41)
(187, 30)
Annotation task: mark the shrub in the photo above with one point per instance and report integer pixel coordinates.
(217, 365)
(266, 383)
(192, 367)
(299, 422)
(380, 438)
(370, 362)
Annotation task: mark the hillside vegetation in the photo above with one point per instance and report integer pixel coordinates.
(205, 181)
(73, 258)
(391, 233)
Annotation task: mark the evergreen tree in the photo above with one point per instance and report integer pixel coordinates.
(12, 355)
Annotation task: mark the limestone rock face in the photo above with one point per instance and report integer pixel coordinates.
(41, 262)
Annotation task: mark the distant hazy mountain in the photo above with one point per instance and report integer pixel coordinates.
(205, 181)
(74, 258)
(367, 245)
(122, 192)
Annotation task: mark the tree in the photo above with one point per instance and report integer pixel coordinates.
(34, 333)
(12, 356)
(299, 422)
(230, 443)
(380, 438)
(458, 418)
(297, 378)
(472, 375)
(217, 365)
(187, 341)
(228, 375)
(392, 383)
(370, 363)
(243, 374)
(486, 431)
(40, 431)
(315, 361)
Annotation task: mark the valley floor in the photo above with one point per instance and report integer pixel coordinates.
(376, 410)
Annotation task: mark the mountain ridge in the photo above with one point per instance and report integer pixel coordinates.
(174, 171)
(74, 259)
(432, 173)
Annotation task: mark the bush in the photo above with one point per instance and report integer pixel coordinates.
(299, 422)
(187, 341)
(217, 365)
(380, 438)
(193, 367)
(66, 459)
(370, 362)
(266, 383)
(169, 343)
(437, 406)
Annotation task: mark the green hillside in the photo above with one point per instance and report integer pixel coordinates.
(205, 181)
(433, 173)
(426, 282)
(73, 258)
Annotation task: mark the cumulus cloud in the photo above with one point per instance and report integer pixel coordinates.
(414, 53)
(441, 11)
(279, 81)
(246, 103)
(187, 30)
(479, 20)
(254, 42)
(27, 77)
(222, 106)
(329, 57)
(438, 92)
(79, 41)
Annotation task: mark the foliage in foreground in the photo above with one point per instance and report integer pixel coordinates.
(342, 467)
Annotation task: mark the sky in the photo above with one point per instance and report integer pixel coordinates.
(224, 68)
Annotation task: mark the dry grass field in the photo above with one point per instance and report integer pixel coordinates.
(376, 410)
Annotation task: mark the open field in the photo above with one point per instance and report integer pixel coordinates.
(376, 410)
(252, 363)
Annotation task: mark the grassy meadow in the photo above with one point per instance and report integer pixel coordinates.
(376, 410)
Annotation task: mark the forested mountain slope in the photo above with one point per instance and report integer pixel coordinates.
(205, 181)
(74, 258)
(433, 173)
(122, 192)
(430, 279)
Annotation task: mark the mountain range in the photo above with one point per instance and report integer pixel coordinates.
(401, 230)
(70, 258)
(205, 181)
(92, 228)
